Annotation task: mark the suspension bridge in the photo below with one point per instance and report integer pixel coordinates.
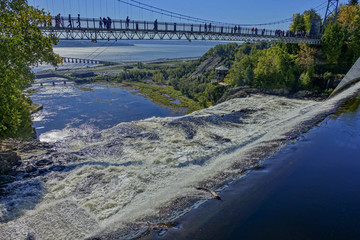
(90, 29)
(94, 29)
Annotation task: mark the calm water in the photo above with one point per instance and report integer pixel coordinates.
(89, 107)
(309, 190)
(128, 51)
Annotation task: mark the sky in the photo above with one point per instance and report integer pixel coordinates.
(231, 11)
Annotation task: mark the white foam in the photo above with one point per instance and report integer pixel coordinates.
(132, 169)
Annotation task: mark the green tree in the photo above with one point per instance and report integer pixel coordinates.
(22, 45)
(158, 77)
(298, 24)
(349, 18)
(354, 41)
(332, 41)
(275, 69)
(353, 2)
(309, 16)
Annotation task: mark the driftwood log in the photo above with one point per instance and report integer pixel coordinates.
(210, 191)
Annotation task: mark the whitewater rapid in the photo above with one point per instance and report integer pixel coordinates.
(139, 172)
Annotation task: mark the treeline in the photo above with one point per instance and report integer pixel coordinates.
(200, 88)
(266, 65)
(341, 40)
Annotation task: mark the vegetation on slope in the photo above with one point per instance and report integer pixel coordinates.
(22, 45)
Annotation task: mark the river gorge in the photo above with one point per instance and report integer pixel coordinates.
(118, 181)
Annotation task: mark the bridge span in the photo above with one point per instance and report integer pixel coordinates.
(92, 29)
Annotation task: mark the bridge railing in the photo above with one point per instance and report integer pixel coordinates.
(166, 27)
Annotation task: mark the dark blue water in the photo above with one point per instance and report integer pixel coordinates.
(91, 105)
(309, 190)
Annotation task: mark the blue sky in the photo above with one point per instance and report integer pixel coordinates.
(233, 11)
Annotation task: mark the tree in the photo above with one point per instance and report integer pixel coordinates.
(348, 14)
(353, 2)
(309, 16)
(158, 77)
(306, 56)
(298, 24)
(354, 41)
(333, 40)
(275, 69)
(22, 45)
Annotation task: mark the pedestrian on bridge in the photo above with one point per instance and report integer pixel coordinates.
(100, 23)
(57, 21)
(127, 22)
(155, 25)
(108, 22)
(235, 29)
(205, 27)
(70, 23)
(78, 21)
(105, 22)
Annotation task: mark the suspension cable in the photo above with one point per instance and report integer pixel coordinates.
(171, 14)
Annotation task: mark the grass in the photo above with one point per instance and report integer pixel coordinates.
(165, 95)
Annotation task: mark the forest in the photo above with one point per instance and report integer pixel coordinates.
(264, 65)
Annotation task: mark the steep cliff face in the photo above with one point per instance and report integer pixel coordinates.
(209, 64)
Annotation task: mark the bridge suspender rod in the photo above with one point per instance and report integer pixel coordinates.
(331, 11)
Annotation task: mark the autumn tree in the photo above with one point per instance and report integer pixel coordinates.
(306, 56)
(349, 18)
(22, 45)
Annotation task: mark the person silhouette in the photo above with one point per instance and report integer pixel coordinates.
(155, 25)
(127, 22)
(78, 21)
(100, 23)
(70, 22)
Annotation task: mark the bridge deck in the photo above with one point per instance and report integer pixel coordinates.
(91, 29)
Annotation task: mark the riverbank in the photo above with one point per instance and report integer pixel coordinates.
(160, 93)
(142, 175)
(305, 191)
(148, 79)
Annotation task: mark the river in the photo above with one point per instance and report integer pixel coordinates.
(308, 190)
(76, 110)
(140, 175)
(127, 51)
(70, 109)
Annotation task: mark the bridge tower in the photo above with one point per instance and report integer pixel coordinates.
(331, 12)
